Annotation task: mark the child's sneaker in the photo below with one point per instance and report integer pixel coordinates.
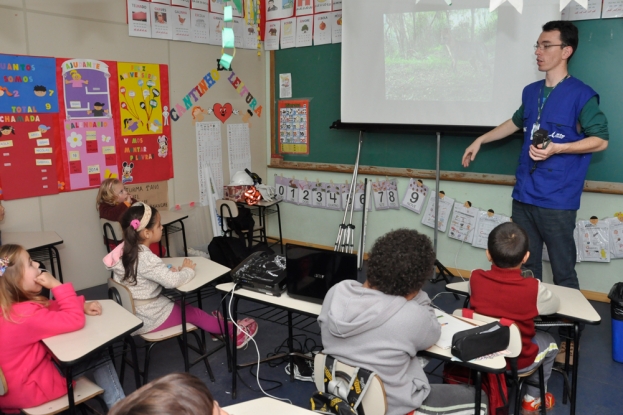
(248, 331)
(533, 405)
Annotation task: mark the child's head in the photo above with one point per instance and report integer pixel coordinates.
(141, 226)
(173, 394)
(17, 278)
(112, 192)
(400, 262)
(508, 245)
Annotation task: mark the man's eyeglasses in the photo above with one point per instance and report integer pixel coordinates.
(547, 46)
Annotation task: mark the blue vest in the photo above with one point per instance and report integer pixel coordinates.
(555, 183)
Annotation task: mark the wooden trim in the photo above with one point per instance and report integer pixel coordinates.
(452, 176)
(273, 104)
(595, 296)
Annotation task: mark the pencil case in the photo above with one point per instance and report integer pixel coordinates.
(480, 341)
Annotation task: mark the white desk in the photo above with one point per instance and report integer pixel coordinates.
(266, 406)
(98, 333)
(206, 271)
(35, 242)
(168, 218)
(573, 306)
(283, 302)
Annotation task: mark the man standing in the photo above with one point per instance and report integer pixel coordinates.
(562, 126)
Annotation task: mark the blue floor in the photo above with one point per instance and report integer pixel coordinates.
(599, 386)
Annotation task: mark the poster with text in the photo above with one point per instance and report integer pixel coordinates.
(139, 18)
(161, 25)
(27, 154)
(144, 148)
(27, 85)
(294, 126)
(85, 88)
(89, 152)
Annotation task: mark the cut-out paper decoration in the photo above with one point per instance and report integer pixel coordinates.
(594, 240)
(27, 85)
(565, 3)
(463, 222)
(222, 112)
(517, 4)
(575, 11)
(415, 196)
(487, 220)
(86, 88)
(28, 167)
(445, 207)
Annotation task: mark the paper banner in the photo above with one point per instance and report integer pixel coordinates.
(564, 3)
(27, 155)
(517, 4)
(207, 82)
(86, 89)
(27, 85)
(140, 101)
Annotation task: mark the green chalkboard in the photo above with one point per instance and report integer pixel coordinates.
(316, 75)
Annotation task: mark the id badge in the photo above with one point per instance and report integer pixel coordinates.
(535, 128)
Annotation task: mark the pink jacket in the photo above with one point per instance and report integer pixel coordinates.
(32, 378)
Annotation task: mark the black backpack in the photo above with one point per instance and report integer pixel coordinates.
(342, 393)
(228, 251)
(243, 222)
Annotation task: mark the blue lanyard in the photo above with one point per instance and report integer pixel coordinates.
(541, 99)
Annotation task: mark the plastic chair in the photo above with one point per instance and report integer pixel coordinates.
(113, 235)
(83, 391)
(518, 380)
(229, 209)
(120, 293)
(374, 402)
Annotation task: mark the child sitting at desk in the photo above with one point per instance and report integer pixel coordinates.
(145, 275)
(26, 319)
(503, 292)
(383, 323)
(112, 201)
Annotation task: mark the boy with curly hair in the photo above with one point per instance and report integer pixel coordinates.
(382, 324)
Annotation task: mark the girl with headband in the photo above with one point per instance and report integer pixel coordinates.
(146, 275)
(26, 319)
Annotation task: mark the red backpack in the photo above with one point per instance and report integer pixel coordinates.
(494, 385)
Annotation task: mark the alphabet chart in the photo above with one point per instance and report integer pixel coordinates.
(239, 147)
(209, 153)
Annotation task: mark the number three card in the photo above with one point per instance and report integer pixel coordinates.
(415, 196)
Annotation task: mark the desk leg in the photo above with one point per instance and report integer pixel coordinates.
(58, 263)
(478, 387)
(576, 359)
(225, 331)
(290, 346)
(70, 390)
(184, 333)
(166, 241)
(183, 238)
(137, 374)
(279, 223)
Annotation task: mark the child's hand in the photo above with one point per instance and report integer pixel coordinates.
(174, 269)
(46, 280)
(129, 198)
(188, 264)
(93, 308)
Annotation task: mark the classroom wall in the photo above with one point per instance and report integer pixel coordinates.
(97, 29)
(320, 226)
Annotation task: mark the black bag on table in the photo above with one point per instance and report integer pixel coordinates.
(480, 341)
(228, 251)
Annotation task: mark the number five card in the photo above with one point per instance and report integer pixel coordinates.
(415, 196)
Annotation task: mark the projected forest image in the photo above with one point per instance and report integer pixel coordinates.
(440, 56)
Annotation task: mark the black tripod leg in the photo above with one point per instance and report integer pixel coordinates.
(443, 275)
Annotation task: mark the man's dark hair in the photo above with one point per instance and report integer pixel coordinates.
(400, 262)
(508, 244)
(568, 33)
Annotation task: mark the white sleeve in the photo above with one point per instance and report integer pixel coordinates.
(547, 302)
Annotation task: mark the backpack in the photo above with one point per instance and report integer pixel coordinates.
(343, 393)
(227, 251)
(243, 222)
(494, 385)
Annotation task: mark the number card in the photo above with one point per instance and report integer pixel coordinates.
(594, 240)
(379, 194)
(319, 199)
(615, 227)
(463, 222)
(485, 223)
(334, 196)
(344, 189)
(415, 196)
(360, 198)
(305, 193)
(280, 187)
(445, 206)
(292, 192)
(392, 194)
